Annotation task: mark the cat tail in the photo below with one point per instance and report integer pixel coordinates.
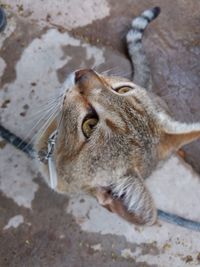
(142, 73)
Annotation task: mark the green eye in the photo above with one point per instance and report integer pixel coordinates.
(88, 126)
(123, 90)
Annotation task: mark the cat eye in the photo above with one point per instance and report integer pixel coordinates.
(88, 126)
(123, 90)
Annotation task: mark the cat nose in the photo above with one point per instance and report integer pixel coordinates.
(86, 80)
(82, 74)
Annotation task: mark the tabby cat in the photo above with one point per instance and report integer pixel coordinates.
(110, 135)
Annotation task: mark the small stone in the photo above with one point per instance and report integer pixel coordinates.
(20, 8)
(188, 258)
(5, 103)
(166, 246)
(2, 144)
(23, 114)
(26, 107)
(198, 256)
(48, 17)
(33, 84)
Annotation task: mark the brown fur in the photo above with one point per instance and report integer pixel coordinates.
(133, 134)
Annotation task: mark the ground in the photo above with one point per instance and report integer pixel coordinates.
(42, 43)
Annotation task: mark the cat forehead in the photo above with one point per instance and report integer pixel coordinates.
(101, 96)
(111, 81)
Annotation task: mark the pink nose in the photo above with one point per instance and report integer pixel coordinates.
(82, 74)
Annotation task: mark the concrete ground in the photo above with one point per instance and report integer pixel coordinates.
(42, 43)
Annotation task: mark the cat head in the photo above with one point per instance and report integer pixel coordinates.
(111, 135)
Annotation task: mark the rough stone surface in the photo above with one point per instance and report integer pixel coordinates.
(43, 42)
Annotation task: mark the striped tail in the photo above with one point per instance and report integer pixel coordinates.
(142, 74)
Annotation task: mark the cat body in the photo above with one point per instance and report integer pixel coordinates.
(110, 134)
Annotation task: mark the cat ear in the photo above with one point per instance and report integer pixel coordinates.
(130, 200)
(176, 134)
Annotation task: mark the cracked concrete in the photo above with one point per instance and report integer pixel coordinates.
(43, 43)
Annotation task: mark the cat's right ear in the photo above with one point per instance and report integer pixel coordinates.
(175, 134)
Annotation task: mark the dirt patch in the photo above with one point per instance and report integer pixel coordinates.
(14, 46)
(50, 237)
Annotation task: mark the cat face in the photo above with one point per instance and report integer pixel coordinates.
(111, 135)
(105, 127)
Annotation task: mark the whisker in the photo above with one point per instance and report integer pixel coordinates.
(48, 111)
(46, 118)
(123, 74)
(38, 122)
(56, 111)
(109, 70)
(62, 115)
(53, 100)
(47, 123)
(45, 109)
(53, 96)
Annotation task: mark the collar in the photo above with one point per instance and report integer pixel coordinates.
(50, 159)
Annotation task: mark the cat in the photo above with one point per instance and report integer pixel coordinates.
(110, 134)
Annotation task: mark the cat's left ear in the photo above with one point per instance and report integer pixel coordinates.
(130, 199)
(175, 134)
